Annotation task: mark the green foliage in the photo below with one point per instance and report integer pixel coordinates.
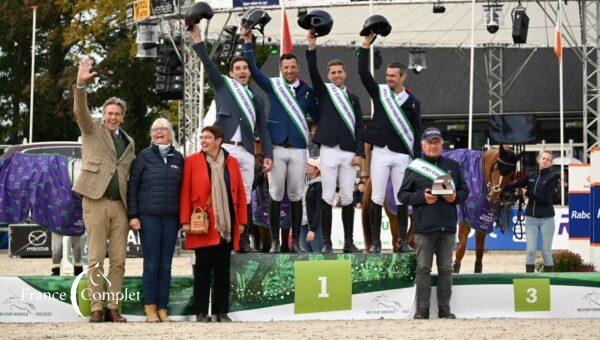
(567, 261)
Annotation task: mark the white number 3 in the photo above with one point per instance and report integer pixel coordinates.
(323, 293)
(532, 298)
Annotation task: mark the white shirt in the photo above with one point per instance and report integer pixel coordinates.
(295, 84)
(402, 97)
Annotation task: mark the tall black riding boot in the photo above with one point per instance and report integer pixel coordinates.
(296, 208)
(245, 246)
(375, 228)
(274, 214)
(402, 217)
(348, 222)
(55, 271)
(326, 226)
(285, 240)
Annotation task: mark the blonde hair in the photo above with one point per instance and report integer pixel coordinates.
(169, 126)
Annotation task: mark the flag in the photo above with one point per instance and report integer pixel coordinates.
(558, 34)
(286, 37)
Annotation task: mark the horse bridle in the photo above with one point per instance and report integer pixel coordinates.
(495, 188)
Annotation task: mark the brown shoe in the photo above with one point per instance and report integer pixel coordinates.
(151, 313)
(96, 317)
(163, 316)
(114, 316)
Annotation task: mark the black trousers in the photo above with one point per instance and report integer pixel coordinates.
(212, 266)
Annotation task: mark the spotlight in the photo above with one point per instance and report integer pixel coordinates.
(439, 8)
(492, 17)
(417, 61)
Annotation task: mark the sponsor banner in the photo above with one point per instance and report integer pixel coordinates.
(29, 240)
(579, 215)
(595, 207)
(376, 294)
(510, 240)
(255, 3)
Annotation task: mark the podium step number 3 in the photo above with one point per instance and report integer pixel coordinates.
(532, 295)
(322, 286)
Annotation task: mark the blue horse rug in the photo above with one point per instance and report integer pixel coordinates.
(40, 184)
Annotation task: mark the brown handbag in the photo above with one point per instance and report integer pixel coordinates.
(199, 221)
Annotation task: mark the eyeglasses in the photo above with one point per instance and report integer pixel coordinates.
(157, 129)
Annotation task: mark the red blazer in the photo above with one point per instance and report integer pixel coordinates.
(196, 188)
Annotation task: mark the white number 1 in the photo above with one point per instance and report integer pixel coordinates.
(532, 295)
(323, 293)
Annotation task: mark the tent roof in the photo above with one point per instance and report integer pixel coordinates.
(415, 24)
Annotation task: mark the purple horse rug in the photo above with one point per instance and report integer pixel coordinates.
(476, 211)
(40, 184)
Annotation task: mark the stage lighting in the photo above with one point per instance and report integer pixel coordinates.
(147, 40)
(520, 26)
(439, 7)
(492, 17)
(417, 61)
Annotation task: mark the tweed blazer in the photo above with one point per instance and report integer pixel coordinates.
(99, 157)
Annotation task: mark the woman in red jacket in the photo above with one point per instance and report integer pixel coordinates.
(213, 173)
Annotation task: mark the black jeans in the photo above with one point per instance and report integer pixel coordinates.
(439, 243)
(212, 261)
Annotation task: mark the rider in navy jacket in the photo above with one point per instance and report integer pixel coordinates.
(330, 130)
(281, 127)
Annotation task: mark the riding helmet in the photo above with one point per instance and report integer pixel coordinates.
(255, 17)
(318, 20)
(376, 24)
(197, 12)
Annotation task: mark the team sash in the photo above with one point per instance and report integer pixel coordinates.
(243, 98)
(343, 105)
(427, 169)
(291, 106)
(397, 117)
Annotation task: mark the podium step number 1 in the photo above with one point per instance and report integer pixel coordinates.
(322, 286)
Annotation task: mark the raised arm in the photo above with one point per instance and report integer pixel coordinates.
(214, 75)
(313, 69)
(417, 128)
(363, 68)
(257, 75)
(84, 118)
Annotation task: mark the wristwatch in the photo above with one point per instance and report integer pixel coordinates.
(80, 86)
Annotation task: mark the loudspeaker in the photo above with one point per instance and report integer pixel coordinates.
(520, 26)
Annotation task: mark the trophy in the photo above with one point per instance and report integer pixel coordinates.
(442, 185)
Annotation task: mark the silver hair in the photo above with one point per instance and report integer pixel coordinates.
(115, 101)
(543, 152)
(169, 126)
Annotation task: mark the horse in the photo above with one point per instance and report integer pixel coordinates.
(499, 167)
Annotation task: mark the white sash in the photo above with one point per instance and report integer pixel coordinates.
(243, 98)
(343, 105)
(427, 169)
(291, 106)
(397, 117)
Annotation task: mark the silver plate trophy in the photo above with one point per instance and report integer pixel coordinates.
(442, 185)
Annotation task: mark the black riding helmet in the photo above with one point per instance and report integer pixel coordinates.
(256, 17)
(376, 24)
(318, 20)
(197, 12)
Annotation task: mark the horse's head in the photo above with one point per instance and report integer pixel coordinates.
(500, 165)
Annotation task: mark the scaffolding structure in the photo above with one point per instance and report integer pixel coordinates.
(590, 41)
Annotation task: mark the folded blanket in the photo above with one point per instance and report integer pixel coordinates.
(40, 184)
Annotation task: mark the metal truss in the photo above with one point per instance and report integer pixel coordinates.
(590, 39)
(494, 57)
